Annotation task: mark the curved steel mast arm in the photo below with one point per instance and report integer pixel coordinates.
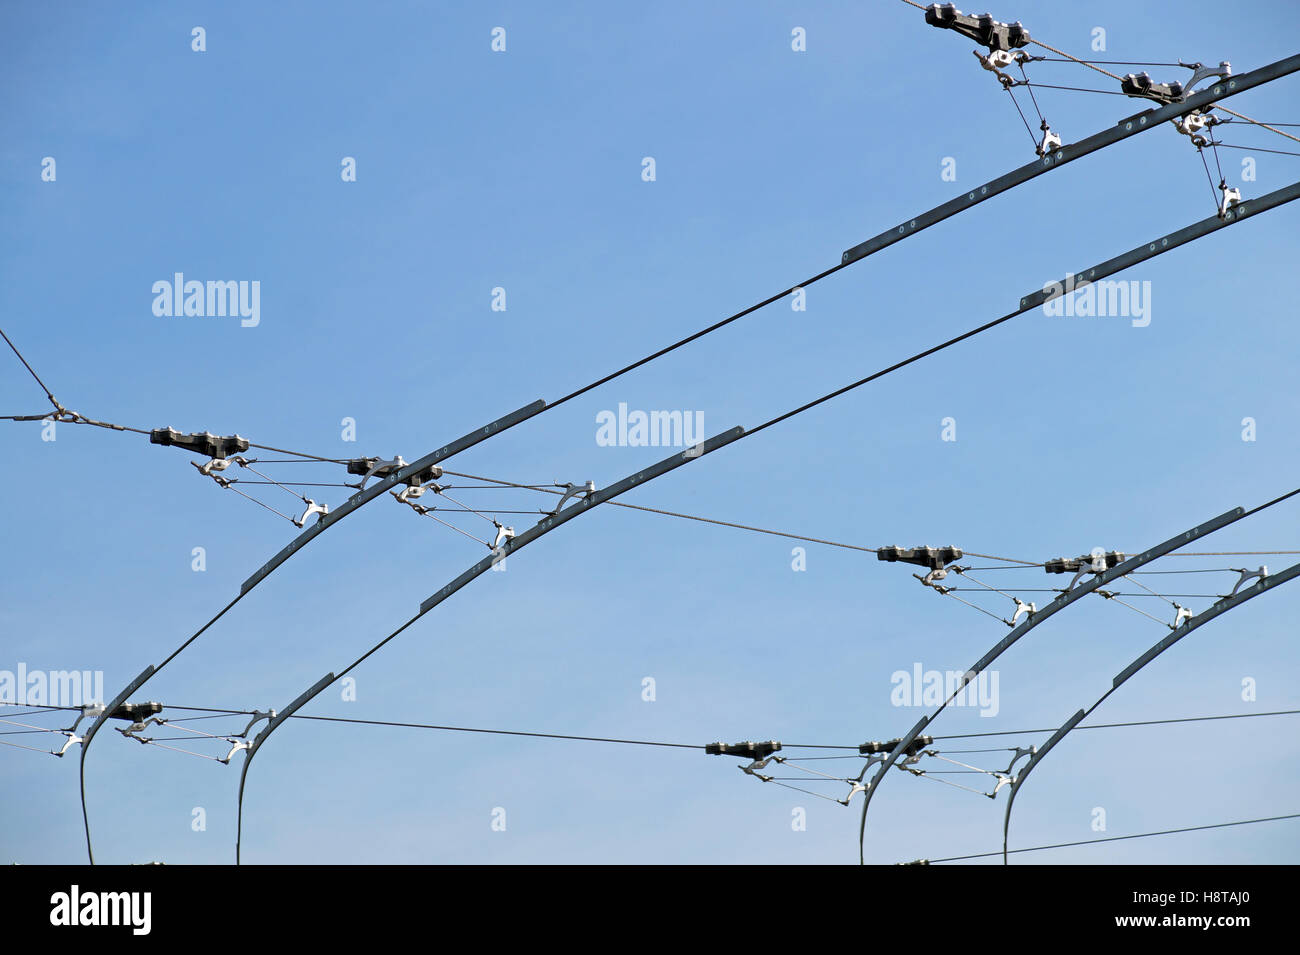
(1060, 602)
(1220, 607)
(509, 546)
(307, 536)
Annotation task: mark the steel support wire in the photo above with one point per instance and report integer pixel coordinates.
(1033, 300)
(1215, 610)
(508, 547)
(1123, 130)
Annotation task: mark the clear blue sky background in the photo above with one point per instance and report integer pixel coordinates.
(523, 170)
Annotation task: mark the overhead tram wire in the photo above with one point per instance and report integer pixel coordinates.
(1139, 835)
(711, 520)
(1257, 149)
(1085, 147)
(30, 370)
(1027, 303)
(1064, 600)
(217, 713)
(1016, 177)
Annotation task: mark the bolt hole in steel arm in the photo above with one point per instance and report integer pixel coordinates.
(509, 546)
(1220, 607)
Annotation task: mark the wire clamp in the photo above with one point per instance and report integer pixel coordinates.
(752, 768)
(258, 715)
(374, 467)
(1231, 198)
(312, 508)
(215, 464)
(571, 490)
(1029, 609)
(408, 494)
(133, 731)
(1182, 614)
(1195, 121)
(995, 62)
(87, 710)
(503, 534)
(1140, 86)
(235, 747)
(1095, 563)
(1050, 142)
(1247, 575)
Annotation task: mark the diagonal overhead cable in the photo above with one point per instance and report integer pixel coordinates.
(1051, 161)
(595, 498)
(1088, 842)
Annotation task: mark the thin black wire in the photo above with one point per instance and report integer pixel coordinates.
(1256, 122)
(293, 483)
(697, 335)
(49, 394)
(789, 414)
(1208, 178)
(1139, 835)
(474, 729)
(1032, 97)
(688, 517)
(1102, 726)
(50, 708)
(1057, 590)
(1062, 59)
(892, 368)
(1257, 149)
(1032, 137)
(1074, 89)
(216, 713)
(1276, 500)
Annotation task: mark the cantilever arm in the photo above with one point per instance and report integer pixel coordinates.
(509, 546)
(353, 503)
(1220, 607)
(1059, 603)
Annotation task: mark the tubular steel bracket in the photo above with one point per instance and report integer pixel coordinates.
(253, 747)
(312, 508)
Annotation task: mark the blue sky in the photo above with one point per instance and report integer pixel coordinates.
(522, 170)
